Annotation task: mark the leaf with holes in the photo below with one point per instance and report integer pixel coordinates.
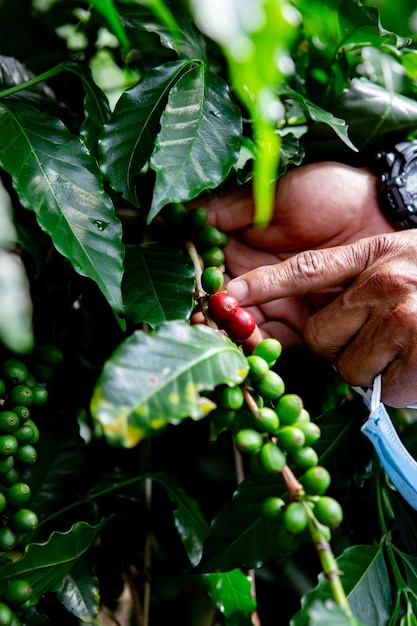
(199, 139)
(154, 379)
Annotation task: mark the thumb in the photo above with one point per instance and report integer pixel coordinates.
(307, 272)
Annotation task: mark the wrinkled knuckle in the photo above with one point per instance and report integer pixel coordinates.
(309, 263)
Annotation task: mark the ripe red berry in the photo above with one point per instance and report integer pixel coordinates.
(222, 306)
(241, 325)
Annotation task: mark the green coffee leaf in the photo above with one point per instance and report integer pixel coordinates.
(127, 140)
(373, 111)
(154, 379)
(79, 593)
(44, 565)
(363, 570)
(229, 591)
(199, 138)
(158, 284)
(56, 177)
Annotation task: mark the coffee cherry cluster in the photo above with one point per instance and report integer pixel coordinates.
(23, 393)
(275, 431)
(237, 321)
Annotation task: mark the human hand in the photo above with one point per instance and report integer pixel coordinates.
(371, 326)
(317, 206)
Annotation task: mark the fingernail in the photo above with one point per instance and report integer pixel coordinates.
(238, 289)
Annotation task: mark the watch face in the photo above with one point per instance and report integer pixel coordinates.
(411, 182)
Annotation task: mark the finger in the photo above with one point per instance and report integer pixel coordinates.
(241, 258)
(399, 381)
(307, 272)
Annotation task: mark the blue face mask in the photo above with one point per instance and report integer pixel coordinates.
(397, 462)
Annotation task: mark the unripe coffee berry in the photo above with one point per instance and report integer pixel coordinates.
(231, 398)
(8, 445)
(290, 438)
(258, 367)
(222, 306)
(295, 518)
(241, 325)
(248, 441)
(3, 502)
(7, 616)
(17, 593)
(304, 457)
(316, 480)
(266, 420)
(8, 539)
(24, 520)
(271, 386)
(212, 279)
(18, 495)
(311, 432)
(213, 256)
(269, 349)
(208, 236)
(272, 458)
(14, 371)
(223, 417)
(271, 508)
(196, 218)
(9, 421)
(26, 454)
(289, 408)
(328, 511)
(20, 395)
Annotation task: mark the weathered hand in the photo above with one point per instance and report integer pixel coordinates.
(317, 206)
(370, 327)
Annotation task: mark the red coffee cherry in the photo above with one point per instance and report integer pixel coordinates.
(222, 306)
(241, 325)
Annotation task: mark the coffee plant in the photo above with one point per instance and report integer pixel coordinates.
(153, 468)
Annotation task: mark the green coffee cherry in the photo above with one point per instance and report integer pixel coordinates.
(258, 367)
(24, 520)
(269, 349)
(20, 395)
(208, 236)
(26, 454)
(289, 408)
(248, 441)
(27, 433)
(14, 371)
(11, 477)
(271, 508)
(290, 438)
(231, 398)
(328, 511)
(295, 518)
(3, 502)
(175, 213)
(17, 593)
(212, 279)
(6, 464)
(8, 539)
(22, 412)
(316, 481)
(311, 432)
(39, 395)
(272, 459)
(223, 418)
(9, 421)
(271, 386)
(49, 354)
(266, 420)
(3, 390)
(213, 256)
(304, 458)
(7, 616)
(196, 218)
(8, 445)
(41, 373)
(18, 495)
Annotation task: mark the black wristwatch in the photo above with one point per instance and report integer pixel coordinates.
(397, 184)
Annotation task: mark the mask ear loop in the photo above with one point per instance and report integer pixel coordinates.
(376, 393)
